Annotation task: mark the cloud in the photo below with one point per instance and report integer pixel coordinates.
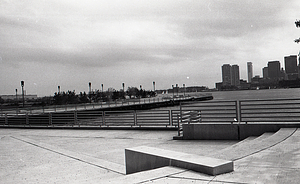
(150, 40)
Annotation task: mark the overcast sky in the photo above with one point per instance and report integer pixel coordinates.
(69, 43)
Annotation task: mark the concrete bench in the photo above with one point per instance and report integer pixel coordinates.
(145, 158)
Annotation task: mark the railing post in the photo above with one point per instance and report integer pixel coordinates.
(170, 118)
(135, 117)
(237, 106)
(240, 111)
(75, 117)
(27, 119)
(180, 106)
(103, 118)
(178, 124)
(6, 119)
(50, 119)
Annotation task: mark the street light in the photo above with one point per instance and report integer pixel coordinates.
(16, 95)
(184, 90)
(90, 91)
(22, 85)
(173, 91)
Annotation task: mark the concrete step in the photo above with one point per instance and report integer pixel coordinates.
(248, 147)
(247, 141)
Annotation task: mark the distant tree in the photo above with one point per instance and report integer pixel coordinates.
(83, 98)
(132, 92)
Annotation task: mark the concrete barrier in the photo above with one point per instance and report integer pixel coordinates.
(216, 131)
(232, 131)
(146, 158)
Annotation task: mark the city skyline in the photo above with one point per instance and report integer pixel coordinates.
(71, 43)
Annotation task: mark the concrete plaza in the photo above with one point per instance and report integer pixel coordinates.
(98, 156)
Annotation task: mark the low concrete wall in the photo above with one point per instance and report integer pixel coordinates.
(231, 131)
(209, 131)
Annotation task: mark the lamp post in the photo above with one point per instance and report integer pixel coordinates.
(184, 90)
(16, 95)
(90, 91)
(22, 85)
(173, 91)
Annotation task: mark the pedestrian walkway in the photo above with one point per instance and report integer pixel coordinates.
(98, 156)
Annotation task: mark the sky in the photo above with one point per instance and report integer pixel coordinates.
(69, 43)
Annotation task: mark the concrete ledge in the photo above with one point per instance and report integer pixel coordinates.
(146, 158)
(215, 131)
(232, 131)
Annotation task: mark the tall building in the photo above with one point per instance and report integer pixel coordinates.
(291, 68)
(249, 71)
(230, 75)
(235, 75)
(274, 70)
(265, 72)
(226, 75)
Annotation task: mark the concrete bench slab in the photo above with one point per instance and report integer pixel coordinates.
(146, 158)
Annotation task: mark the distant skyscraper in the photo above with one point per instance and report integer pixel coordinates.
(291, 68)
(230, 75)
(274, 70)
(226, 75)
(235, 75)
(265, 72)
(250, 71)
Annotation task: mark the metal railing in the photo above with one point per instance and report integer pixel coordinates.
(273, 110)
(167, 118)
(86, 106)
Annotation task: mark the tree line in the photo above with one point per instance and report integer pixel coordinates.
(70, 97)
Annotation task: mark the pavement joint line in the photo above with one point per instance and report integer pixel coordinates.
(209, 181)
(266, 166)
(267, 147)
(162, 177)
(78, 159)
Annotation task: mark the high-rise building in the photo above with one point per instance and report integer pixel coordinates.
(291, 69)
(249, 71)
(226, 75)
(235, 75)
(274, 70)
(230, 75)
(265, 72)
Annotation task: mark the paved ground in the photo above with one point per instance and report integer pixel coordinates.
(97, 156)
